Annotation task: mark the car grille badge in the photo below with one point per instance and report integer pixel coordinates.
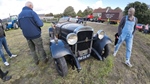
(86, 39)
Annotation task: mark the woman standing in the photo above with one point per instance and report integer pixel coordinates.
(4, 43)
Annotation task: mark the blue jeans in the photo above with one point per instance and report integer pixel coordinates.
(128, 38)
(4, 43)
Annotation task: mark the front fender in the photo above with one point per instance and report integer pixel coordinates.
(98, 44)
(59, 49)
(51, 32)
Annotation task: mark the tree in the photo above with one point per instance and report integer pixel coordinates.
(50, 14)
(80, 14)
(108, 7)
(117, 8)
(69, 11)
(88, 11)
(146, 17)
(58, 15)
(141, 11)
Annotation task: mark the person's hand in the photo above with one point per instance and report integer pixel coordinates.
(53, 26)
(117, 37)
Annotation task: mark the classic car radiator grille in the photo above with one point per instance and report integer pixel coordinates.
(84, 40)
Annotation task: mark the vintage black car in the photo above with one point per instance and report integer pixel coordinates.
(71, 43)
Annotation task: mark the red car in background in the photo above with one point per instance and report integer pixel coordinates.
(100, 20)
(90, 17)
(140, 27)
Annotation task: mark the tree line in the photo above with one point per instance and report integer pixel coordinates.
(142, 12)
(69, 11)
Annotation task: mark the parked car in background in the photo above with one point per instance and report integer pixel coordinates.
(11, 22)
(140, 27)
(90, 17)
(99, 19)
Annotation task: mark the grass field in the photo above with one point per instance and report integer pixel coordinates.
(24, 71)
(110, 71)
(140, 58)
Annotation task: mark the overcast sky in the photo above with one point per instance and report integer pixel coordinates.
(44, 6)
(13, 7)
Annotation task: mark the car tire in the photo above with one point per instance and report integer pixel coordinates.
(61, 66)
(105, 51)
(15, 25)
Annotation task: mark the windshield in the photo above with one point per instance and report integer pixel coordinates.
(64, 19)
(13, 17)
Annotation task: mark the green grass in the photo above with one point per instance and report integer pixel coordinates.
(24, 71)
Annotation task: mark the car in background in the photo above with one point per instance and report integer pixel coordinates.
(99, 19)
(140, 27)
(11, 22)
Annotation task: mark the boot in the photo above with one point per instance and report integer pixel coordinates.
(6, 78)
(2, 74)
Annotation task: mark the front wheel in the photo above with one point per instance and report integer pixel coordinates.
(105, 51)
(15, 25)
(61, 66)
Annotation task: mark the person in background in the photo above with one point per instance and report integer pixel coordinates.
(146, 28)
(126, 31)
(3, 42)
(108, 21)
(30, 24)
(3, 76)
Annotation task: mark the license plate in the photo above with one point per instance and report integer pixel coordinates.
(83, 57)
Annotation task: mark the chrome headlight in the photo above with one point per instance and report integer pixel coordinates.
(101, 34)
(72, 38)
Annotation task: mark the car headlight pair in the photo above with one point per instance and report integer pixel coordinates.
(101, 34)
(72, 38)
